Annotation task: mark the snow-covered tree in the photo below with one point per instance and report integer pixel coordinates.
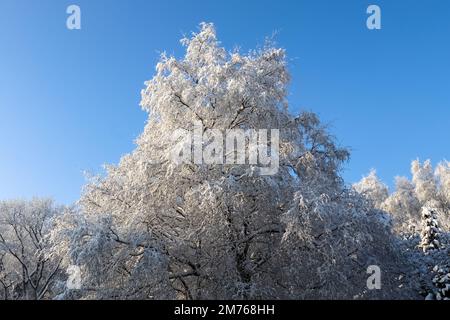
(27, 267)
(431, 234)
(443, 177)
(420, 211)
(424, 180)
(441, 282)
(406, 203)
(404, 206)
(154, 228)
(372, 188)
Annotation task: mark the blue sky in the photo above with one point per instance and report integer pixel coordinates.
(69, 99)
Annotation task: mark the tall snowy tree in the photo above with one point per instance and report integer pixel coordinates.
(433, 243)
(154, 228)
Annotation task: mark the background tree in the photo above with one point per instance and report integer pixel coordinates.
(420, 213)
(372, 188)
(431, 234)
(404, 206)
(410, 198)
(27, 270)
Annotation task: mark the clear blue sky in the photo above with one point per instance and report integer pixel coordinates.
(69, 99)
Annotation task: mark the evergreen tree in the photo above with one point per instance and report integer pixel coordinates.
(430, 234)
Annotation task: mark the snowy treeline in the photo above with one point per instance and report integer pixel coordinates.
(154, 229)
(420, 211)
